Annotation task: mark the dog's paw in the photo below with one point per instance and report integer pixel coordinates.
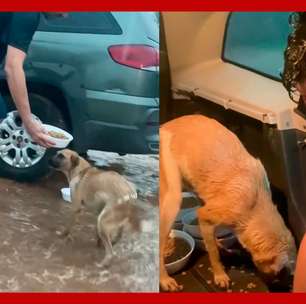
(222, 280)
(169, 284)
(105, 263)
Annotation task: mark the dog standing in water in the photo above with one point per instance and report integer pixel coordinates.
(107, 193)
(234, 188)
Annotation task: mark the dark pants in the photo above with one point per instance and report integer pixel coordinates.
(3, 109)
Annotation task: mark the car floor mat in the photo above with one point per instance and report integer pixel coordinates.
(199, 278)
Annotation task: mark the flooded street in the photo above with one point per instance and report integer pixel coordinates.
(34, 258)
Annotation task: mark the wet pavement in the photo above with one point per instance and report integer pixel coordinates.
(34, 258)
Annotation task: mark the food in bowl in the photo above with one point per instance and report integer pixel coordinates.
(179, 248)
(178, 253)
(57, 135)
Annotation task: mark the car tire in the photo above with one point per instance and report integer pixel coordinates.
(47, 112)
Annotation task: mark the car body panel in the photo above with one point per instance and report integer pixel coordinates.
(98, 90)
(131, 115)
(88, 54)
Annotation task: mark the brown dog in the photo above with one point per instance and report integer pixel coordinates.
(107, 193)
(235, 190)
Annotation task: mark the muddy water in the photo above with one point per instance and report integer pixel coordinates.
(34, 258)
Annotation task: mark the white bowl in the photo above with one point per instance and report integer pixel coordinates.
(181, 263)
(59, 142)
(66, 194)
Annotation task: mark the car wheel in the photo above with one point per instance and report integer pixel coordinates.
(21, 158)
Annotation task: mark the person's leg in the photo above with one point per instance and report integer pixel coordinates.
(299, 284)
(3, 108)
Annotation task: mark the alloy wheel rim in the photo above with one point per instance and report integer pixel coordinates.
(17, 148)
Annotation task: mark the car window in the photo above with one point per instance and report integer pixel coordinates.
(84, 22)
(257, 41)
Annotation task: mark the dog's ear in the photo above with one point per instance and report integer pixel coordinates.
(75, 160)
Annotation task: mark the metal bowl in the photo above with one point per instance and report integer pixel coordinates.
(224, 235)
(182, 262)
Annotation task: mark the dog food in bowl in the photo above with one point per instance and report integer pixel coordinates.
(59, 137)
(178, 251)
(181, 248)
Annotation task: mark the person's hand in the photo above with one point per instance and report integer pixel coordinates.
(38, 134)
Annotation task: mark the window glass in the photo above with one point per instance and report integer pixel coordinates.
(91, 22)
(257, 41)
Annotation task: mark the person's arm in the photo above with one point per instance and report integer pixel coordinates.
(299, 283)
(17, 84)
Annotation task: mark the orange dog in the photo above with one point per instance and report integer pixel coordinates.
(234, 187)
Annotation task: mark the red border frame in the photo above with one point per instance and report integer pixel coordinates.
(153, 5)
(146, 5)
(150, 298)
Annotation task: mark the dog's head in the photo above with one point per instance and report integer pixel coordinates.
(267, 237)
(65, 160)
(278, 261)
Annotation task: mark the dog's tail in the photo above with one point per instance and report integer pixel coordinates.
(130, 194)
(128, 198)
